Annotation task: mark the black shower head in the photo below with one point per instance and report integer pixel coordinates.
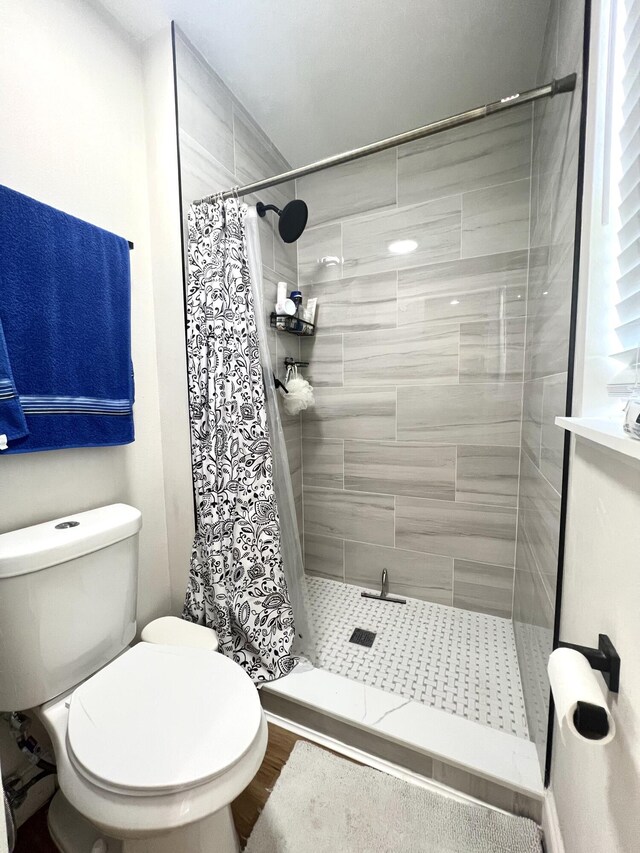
(293, 218)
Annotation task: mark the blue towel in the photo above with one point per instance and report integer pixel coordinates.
(12, 421)
(65, 311)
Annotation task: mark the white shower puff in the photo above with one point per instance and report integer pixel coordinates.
(300, 395)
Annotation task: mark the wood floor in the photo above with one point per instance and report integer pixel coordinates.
(33, 836)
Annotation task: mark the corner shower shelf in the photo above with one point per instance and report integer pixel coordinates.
(292, 325)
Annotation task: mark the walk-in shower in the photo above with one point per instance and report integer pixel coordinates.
(441, 261)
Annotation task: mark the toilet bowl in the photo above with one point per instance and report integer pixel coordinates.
(162, 738)
(152, 741)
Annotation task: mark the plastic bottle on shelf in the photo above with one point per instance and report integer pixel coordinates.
(296, 298)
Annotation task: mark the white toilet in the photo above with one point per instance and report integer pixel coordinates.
(152, 741)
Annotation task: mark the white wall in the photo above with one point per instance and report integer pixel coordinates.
(167, 265)
(82, 110)
(597, 789)
(73, 136)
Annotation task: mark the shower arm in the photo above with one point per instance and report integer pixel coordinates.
(550, 90)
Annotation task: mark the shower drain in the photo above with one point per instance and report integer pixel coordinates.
(362, 637)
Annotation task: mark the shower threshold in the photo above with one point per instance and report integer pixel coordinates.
(437, 733)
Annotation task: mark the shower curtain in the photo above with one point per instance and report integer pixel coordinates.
(237, 583)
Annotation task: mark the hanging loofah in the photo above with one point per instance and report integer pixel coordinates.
(300, 395)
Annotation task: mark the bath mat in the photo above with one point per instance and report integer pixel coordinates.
(325, 804)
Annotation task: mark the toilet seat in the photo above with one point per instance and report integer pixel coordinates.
(162, 719)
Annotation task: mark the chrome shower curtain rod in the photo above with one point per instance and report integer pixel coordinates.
(555, 87)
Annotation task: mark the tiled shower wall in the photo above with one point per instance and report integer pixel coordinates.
(222, 147)
(411, 454)
(553, 204)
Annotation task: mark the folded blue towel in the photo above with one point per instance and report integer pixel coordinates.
(65, 312)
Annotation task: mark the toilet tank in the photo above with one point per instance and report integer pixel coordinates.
(68, 592)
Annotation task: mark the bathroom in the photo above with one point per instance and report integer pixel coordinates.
(466, 282)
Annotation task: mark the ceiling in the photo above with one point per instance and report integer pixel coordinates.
(323, 76)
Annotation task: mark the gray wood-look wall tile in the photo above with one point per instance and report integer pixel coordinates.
(434, 226)
(487, 475)
(540, 519)
(287, 346)
(354, 515)
(323, 462)
(285, 258)
(549, 307)
(483, 288)
(258, 158)
(425, 576)
(492, 351)
(532, 418)
(400, 469)
(324, 354)
(269, 290)
(323, 556)
(355, 188)
(536, 307)
(205, 105)
(265, 232)
(292, 430)
(417, 354)
(483, 587)
(272, 344)
(296, 485)
(471, 157)
(540, 210)
(454, 529)
(570, 29)
(531, 602)
(495, 219)
(554, 401)
(268, 301)
(357, 304)
(351, 413)
(461, 414)
(320, 254)
(201, 173)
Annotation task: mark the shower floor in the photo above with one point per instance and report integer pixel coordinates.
(455, 660)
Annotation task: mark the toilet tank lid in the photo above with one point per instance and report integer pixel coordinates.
(31, 549)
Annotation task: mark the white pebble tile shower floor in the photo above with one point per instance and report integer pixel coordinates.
(461, 662)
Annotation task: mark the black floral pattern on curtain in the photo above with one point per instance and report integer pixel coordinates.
(236, 582)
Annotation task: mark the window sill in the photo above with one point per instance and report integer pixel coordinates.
(606, 433)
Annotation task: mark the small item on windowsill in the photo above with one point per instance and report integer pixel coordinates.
(632, 417)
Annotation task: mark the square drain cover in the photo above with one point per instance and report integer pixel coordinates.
(362, 637)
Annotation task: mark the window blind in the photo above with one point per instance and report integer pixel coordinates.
(628, 308)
